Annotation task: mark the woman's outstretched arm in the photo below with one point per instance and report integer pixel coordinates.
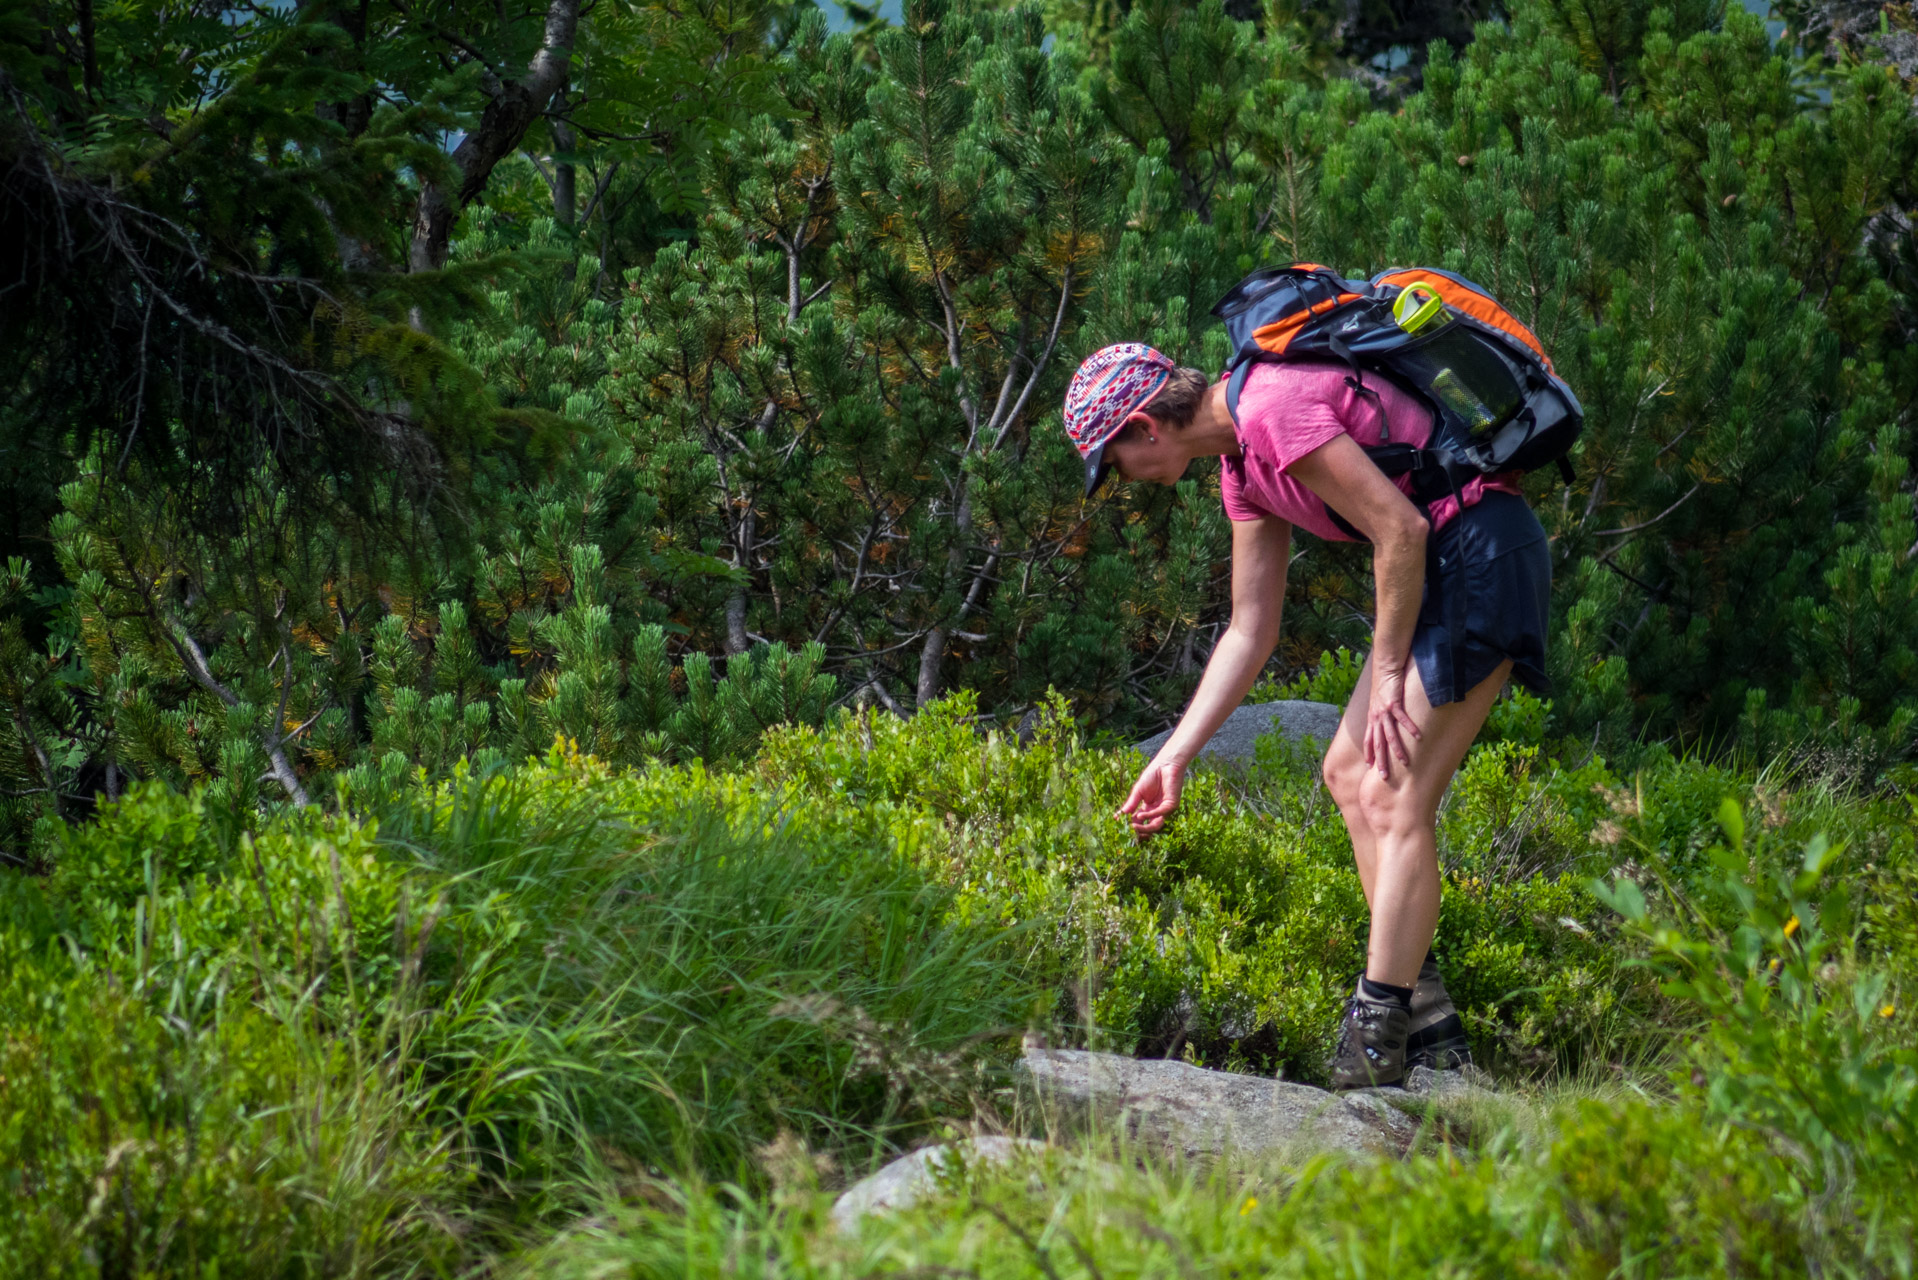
(1260, 552)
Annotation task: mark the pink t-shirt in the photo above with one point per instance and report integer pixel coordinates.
(1288, 410)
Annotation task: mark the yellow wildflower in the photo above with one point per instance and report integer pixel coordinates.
(1251, 1203)
(1887, 1011)
(1791, 926)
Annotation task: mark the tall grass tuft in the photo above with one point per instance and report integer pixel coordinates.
(396, 1044)
(610, 998)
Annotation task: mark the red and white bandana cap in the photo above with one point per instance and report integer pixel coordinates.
(1110, 386)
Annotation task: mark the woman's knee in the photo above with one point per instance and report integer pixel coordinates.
(1392, 806)
(1344, 774)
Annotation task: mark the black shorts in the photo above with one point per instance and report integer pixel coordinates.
(1488, 592)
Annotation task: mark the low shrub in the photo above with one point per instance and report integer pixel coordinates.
(169, 1131)
(1231, 937)
(1795, 1040)
(1620, 1188)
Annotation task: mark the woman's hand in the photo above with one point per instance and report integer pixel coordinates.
(1387, 722)
(1154, 796)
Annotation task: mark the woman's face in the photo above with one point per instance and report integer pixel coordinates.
(1144, 451)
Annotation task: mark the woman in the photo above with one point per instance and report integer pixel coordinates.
(1448, 633)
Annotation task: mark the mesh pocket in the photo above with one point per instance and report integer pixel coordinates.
(1466, 376)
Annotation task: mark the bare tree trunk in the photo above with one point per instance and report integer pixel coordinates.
(514, 107)
(930, 681)
(933, 651)
(193, 658)
(737, 641)
(565, 173)
(89, 55)
(23, 727)
(352, 115)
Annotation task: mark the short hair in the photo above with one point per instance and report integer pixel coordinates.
(1178, 400)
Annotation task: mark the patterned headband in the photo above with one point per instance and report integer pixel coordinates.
(1109, 388)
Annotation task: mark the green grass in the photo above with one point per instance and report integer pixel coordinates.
(564, 1020)
(679, 986)
(1600, 1189)
(339, 1048)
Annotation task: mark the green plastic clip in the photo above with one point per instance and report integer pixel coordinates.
(1421, 313)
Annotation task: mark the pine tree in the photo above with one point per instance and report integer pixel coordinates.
(791, 433)
(1648, 192)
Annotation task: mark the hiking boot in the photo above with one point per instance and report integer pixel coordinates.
(1437, 1039)
(1371, 1048)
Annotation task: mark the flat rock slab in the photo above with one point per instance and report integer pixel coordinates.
(1423, 1085)
(1234, 740)
(1175, 1108)
(916, 1175)
(1189, 1111)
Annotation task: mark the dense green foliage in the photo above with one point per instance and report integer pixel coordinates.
(777, 363)
(533, 526)
(486, 1010)
(1628, 1189)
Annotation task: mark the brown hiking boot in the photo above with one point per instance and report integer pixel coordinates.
(1371, 1049)
(1437, 1038)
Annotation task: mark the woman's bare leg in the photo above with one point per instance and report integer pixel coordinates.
(1392, 819)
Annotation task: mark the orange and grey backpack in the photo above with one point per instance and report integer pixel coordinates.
(1497, 405)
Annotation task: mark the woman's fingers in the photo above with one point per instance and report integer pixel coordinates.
(1167, 798)
(1396, 736)
(1387, 724)
(1154, 796)
(1385, 742)
(1402, 724)
(1144, 793)
(1141, 791)
(1150, 820)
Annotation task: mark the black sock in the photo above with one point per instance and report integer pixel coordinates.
(1385, 992)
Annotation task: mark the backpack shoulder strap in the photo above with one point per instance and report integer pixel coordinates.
(1235, 387)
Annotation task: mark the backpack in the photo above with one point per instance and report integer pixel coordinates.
(1497, 405)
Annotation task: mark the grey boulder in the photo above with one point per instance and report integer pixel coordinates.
(1423, 1086)
(916, 1175)
(1173, 1108)
(1187, 1111)
(1293, 720)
